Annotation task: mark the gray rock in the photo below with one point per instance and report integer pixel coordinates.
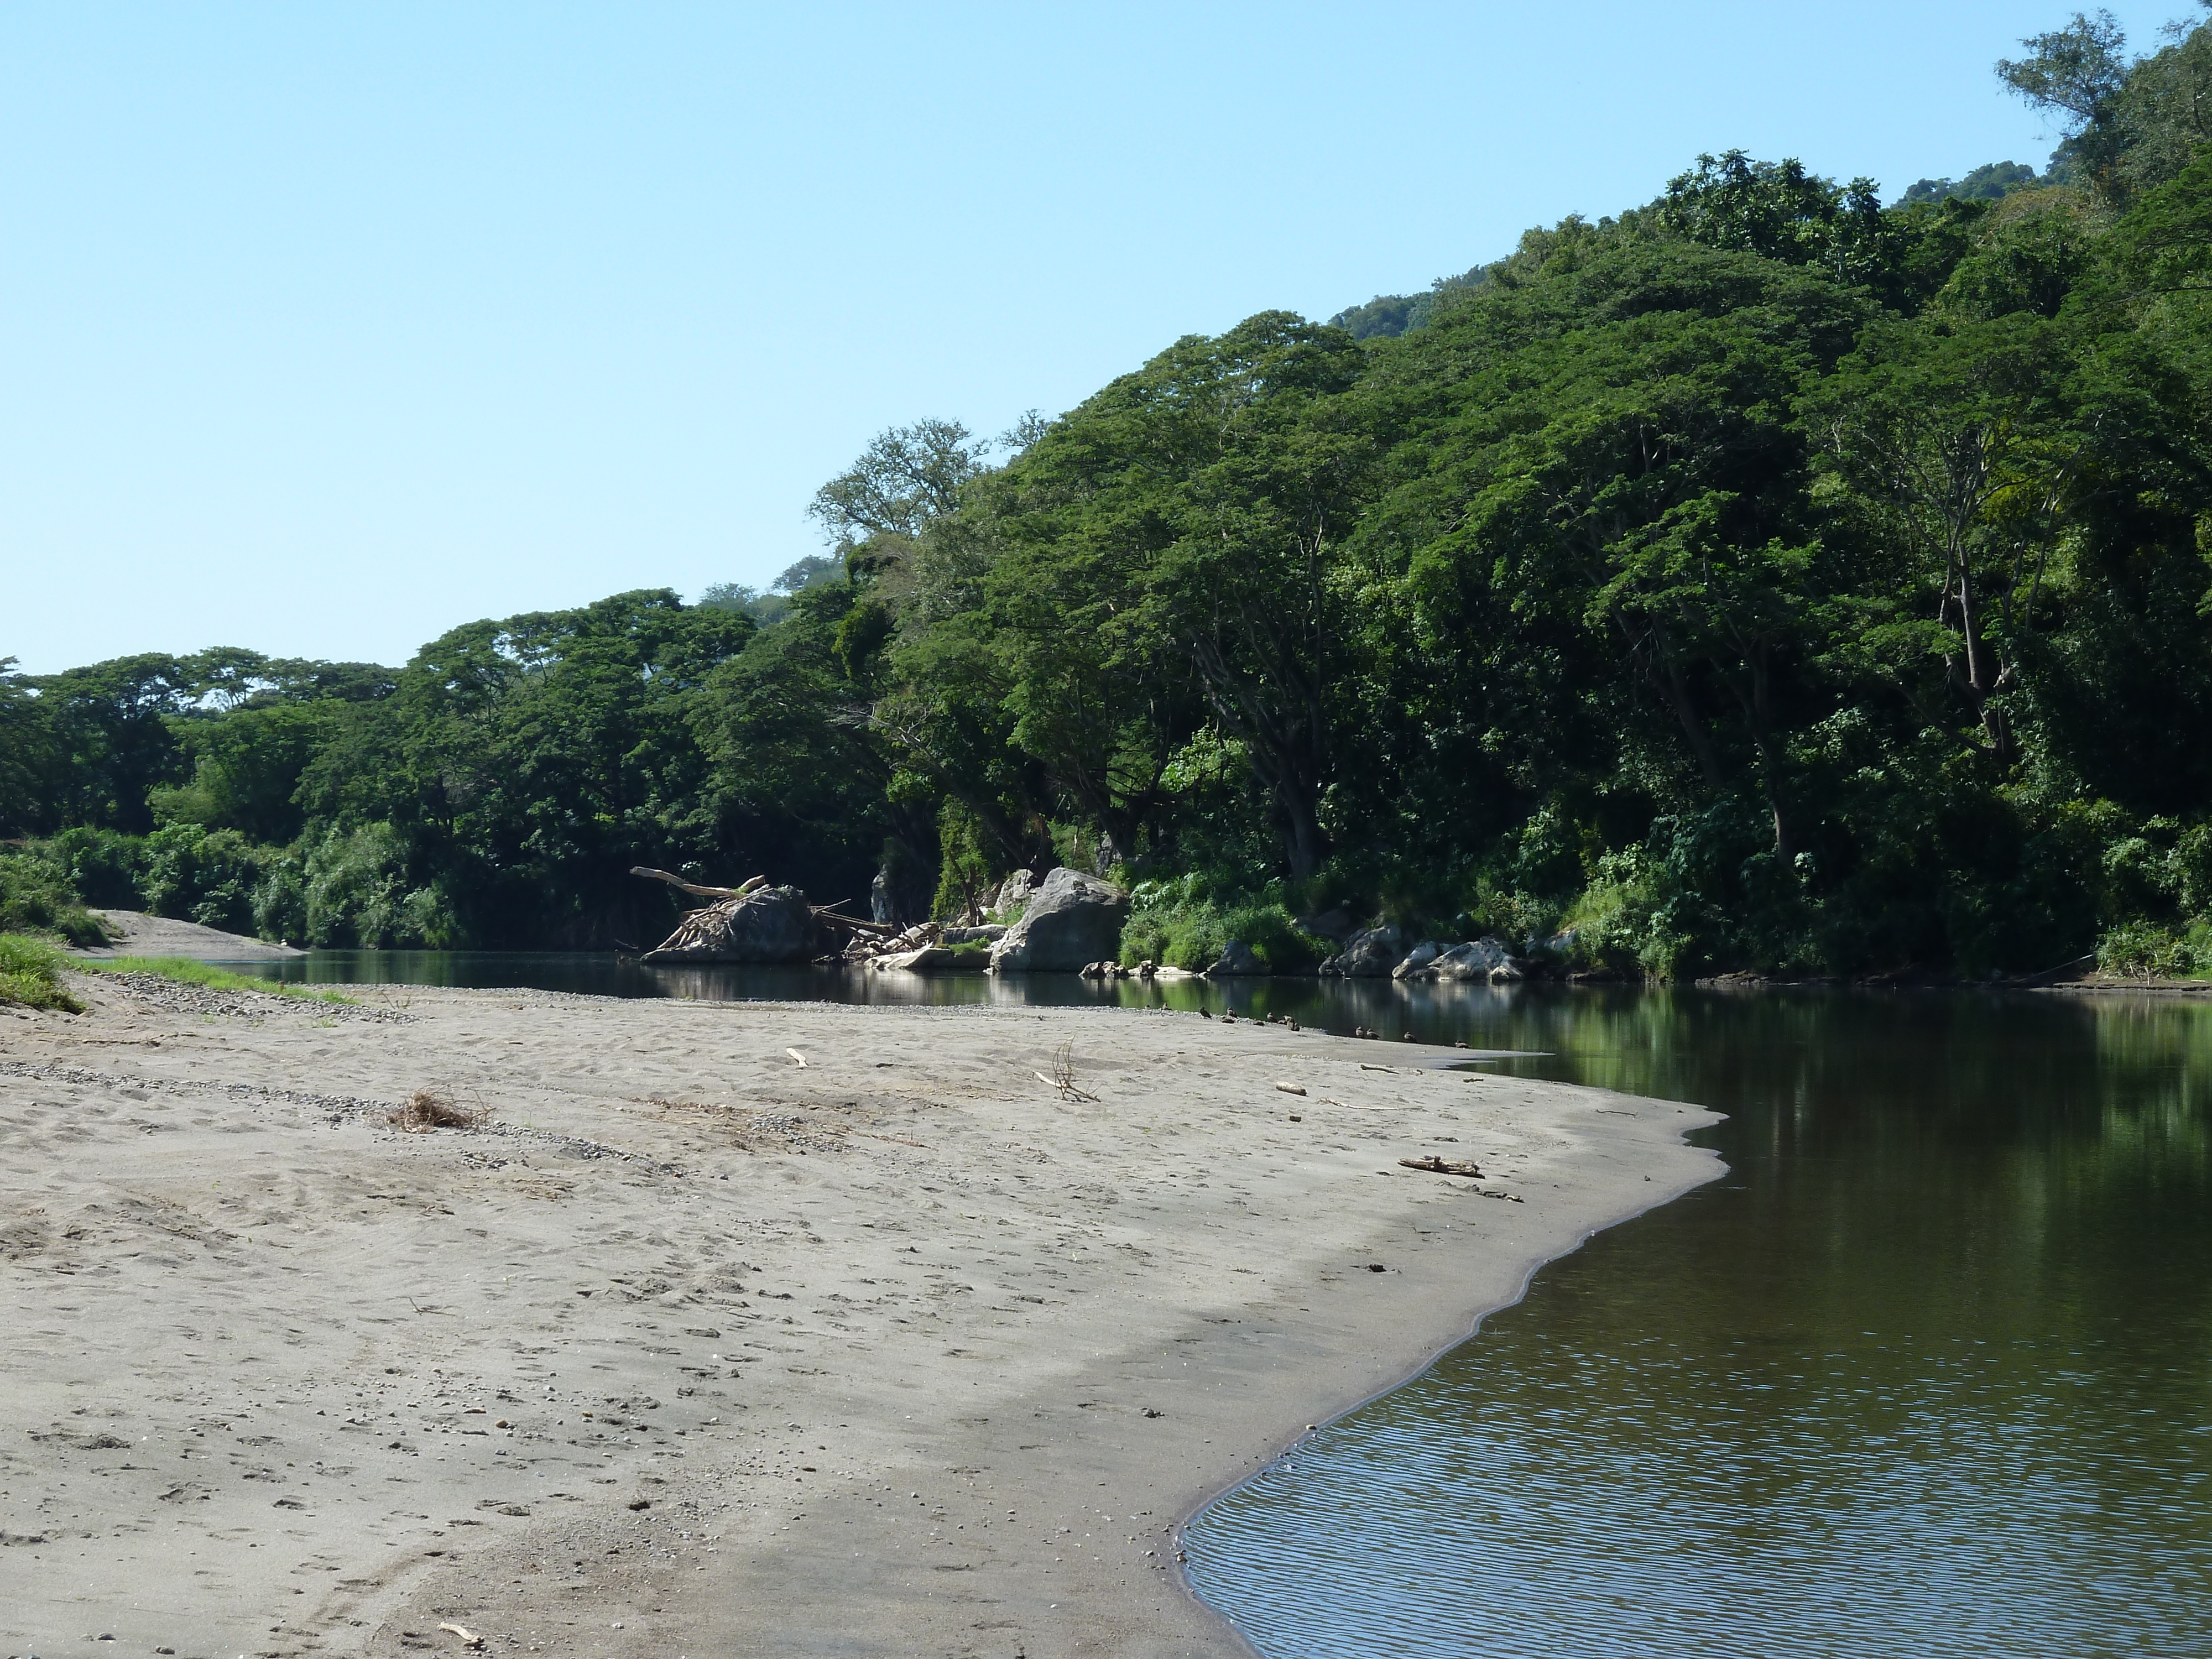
(988, 933)
(900, 895)
(1236, 958)
(929, 959)
(1477, 959)
(1560, 944)
(1013, 893)
(769, 925)
(1071, 920)
(1370, 954)
(1329, 924)
(1418, 958)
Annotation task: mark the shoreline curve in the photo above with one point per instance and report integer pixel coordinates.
(683, 1345)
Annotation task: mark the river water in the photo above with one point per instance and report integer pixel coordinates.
(1928, 1372)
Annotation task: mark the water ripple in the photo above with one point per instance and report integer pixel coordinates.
(1934, 1378)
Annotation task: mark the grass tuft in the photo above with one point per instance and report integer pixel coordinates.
(430, 1109)
(184, 971)
(31, 974)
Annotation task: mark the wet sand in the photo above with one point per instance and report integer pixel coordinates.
(691, 1350)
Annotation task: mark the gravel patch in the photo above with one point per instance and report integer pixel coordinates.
(182, 997)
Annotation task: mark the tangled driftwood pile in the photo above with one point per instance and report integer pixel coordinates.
(757, 923)
(864, 949)
(754, 923)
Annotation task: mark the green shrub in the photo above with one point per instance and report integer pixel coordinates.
(351, 888)
(1186, 921)
(1615, 924)
(107, 867)
(279, 904)
(2143, 950)
(36, 898)
(31, 974)
(965, 877)
(205, 876)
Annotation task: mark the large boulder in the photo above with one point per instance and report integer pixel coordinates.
(1069, 920)
(1482, 958)
(1236, 958)
(989, 933)
(1418, 958)
(768, 924)
(1368, 955)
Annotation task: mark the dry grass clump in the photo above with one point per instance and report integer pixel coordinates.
(432, 1108)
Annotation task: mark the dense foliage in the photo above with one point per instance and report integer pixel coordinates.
(1766, 578)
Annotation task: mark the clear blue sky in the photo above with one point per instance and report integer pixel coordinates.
(324, 329)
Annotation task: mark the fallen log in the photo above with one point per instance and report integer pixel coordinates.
(831, 918)
(693, 887)
(1438, 1166)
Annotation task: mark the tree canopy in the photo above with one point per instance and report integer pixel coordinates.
(1762, 577)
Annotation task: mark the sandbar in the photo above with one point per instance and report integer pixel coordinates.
(689, 1348)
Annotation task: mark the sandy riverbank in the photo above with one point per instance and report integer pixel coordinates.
(693, 1350)
(135, 934)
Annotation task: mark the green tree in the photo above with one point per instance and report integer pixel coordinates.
(1954, 443)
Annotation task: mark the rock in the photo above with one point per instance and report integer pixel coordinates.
(768, 924)
(1236, 958)
(929, 958)
(988, 933)
(1013, 893)
(1334, 925)
(1561, 945)
(1370, 954)
(902, 891)
(1418, 958)
(1070, 920)
(1477, 959)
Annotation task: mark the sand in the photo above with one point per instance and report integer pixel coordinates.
(135, 934)
(692, 1349)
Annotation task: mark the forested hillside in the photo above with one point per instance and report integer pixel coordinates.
(1764, 578)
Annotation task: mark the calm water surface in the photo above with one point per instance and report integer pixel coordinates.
(1928, 1372)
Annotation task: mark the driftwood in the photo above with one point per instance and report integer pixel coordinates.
(825, 917)
(693, 887)
(1438, 1166)
(1063, 1076)
(853, 924)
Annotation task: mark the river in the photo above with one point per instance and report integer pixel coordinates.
(1928, 1372)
